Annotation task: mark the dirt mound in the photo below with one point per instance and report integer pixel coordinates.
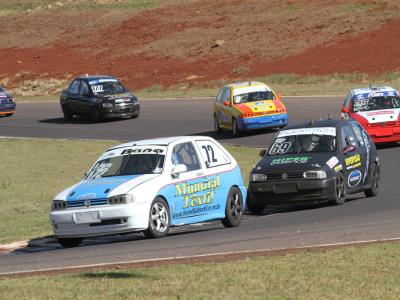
(202, 42)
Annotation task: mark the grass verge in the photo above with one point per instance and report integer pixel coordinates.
(370, 272)
(285, 84)
(33, 171)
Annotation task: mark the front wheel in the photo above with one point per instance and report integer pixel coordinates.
(217, 127)
(67, 114)
(96, 116)
(69, 242)
(255, 208)
(159, 219)
(373, 191)
(233, 208)
(340, 187)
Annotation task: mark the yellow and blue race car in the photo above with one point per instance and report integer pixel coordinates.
(248, 105)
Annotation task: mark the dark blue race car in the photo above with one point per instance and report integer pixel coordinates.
(98, 97)
(7, 104)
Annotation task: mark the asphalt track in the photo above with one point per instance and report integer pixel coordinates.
(359, 219)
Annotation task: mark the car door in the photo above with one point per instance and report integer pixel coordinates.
(355, 158)
(72, 97)
(84, 102)
(191, 193)
(223, 107)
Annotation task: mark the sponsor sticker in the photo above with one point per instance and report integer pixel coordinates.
(354, 178)
(332, 162)
(290, 160)
(354, 166)
(308, 131)
(338, 168)
(352, 159)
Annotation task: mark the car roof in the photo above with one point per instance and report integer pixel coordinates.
(163, 141)
(95, 77)
(246, 84)
(372, 89)
(318, 123)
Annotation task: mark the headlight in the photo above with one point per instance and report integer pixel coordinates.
(258, 177)
(58, 204)
(107, 104)
(121, 199)
(314, 174)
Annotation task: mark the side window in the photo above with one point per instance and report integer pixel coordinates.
(84, 90)
(227, 95)
(219, 96)
(185, 154)
(348, 137)
(74, 87)
(357, 132)
(347, 100)
(212, 154)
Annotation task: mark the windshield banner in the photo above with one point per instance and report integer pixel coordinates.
(309, 131)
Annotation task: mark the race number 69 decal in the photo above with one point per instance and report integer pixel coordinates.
(279, 148)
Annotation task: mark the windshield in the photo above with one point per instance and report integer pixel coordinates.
(133, 164)
(376, 103)
(107, 87)
(253, 96)
(304, 140)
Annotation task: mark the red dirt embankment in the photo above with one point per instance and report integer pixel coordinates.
(213, 40)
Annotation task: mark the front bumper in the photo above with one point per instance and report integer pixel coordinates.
(7, 108)
(276, 120)
(291, 191)
(384, 134)
(96, 221)
(121, 110)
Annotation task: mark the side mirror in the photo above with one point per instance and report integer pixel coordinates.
(279, 97)
(181, 168)
(263, 152)
(345, 110)
(227, 103)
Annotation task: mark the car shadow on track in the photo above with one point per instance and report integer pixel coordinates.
(80, 120)
(226, 135)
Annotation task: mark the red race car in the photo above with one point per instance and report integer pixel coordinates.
(377, 109)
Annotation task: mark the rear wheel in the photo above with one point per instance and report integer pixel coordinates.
(375, 176)
(217, 127)
(69, 242)
(233, 208)
(96, 116)
(340, 187)
(235, 128)
(159, 219)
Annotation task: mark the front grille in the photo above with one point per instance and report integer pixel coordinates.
(290, 175)
(92, 202)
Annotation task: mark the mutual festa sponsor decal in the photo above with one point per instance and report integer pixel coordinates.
(306, 131)
(353, 161)
(290, 160)
(198, 193)
(354, 178)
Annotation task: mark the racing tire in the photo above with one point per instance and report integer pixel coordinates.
(217, 127)
(375, 177)
(340, 189)
(159, 219)
(9, 115)
(233, 208)
(253, 207)
(235, 128)
(96, 116)
(67, 114)
(69, 242)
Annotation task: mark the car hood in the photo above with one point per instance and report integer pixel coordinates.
(383, 115)
(295, 162)
(257, 106)
(101, 188)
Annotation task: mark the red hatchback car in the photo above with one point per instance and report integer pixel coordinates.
(377, 109)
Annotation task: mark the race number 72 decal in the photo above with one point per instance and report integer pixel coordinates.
(210, 153)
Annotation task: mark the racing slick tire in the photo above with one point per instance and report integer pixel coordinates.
(340, 189)
(69, 242)
(217, 128)
(159, 219)
(235, 128)
(375, 176)
(67, 114)
(233, 208)
(96, 116)
(253, 207)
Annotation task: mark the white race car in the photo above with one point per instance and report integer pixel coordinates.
(148, 186)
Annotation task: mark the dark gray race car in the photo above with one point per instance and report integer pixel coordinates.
(7, 104)
(315, 162)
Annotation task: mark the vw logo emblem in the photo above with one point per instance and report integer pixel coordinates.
(86, 203)
(284, 176)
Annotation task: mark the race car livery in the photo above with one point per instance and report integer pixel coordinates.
(98, 97)
(248, 105)
(315, 162)
(7, 103)
(148, 186)
(377, 109)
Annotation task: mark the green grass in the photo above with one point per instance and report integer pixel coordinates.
(370, 272)
(33, 171)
